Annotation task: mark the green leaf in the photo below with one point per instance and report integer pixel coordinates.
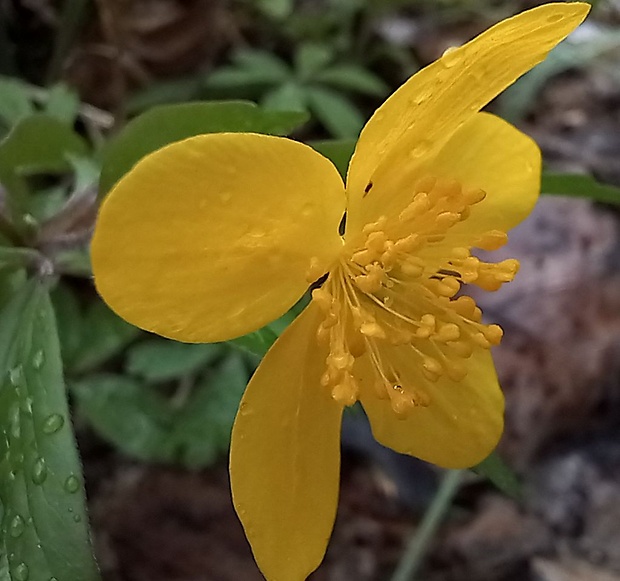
(202, 429)
(168, 123)
(339, 151)
(162, 360)
(45, 527)
(37, 144)
(172, 91)
(494, 469)
(353, 78)
(63, 104)
(287, 97)
(335, 112)
(257, 342)
(68, 321)
(15, 102)
(231, 79)
(276, 9)
(580, 186)
(104, 335)
(11, 257)
(267, 62)
(143, 424)
(126, 413)
(311, 58)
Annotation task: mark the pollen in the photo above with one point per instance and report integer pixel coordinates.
(397, 301)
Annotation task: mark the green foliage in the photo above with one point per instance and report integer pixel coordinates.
(579, 186)
(495, 469)
(165, 124)
(44, 523)
(192, 427)
(36, 144)
(163, 360)
(315, 82)
(338, 151)
(90, 336)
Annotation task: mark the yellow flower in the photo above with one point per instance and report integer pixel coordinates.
(213, 237)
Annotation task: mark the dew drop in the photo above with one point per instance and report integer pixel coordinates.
(420, 149)
(38, 360)
(17, 526)
(21, 572)
(53, 423)
(555, 18)
(450, 57)
(77, 518)
(15, 421)
(15, 376)
(39, 471)
(72, 484)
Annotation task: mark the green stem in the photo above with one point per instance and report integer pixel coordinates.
(418, 544)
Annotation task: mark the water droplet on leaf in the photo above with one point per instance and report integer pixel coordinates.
(15, 376)
(21, 572)
(17, 526)
(72, 484)
(53, 423)
(38, 360)
(39, 471)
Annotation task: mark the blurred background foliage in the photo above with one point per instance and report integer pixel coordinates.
(87, 87)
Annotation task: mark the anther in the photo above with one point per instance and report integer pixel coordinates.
(493, 334)
(402, 402)
(323, 298)
(376, 241)
(491, 240)
(374, 226)
(373, 330)
(346, 390)
(474, 196)
(448, 332)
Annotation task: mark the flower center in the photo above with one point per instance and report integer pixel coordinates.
(394, 296)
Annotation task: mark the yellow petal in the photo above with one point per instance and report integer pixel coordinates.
(461, 425)
(213, 237)
(421, 116)
(490, 154)
(285, 455)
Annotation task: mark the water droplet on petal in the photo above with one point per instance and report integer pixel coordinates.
(72, 484)
(17, 526)
(555, 18)
(53, 423)
(450, 57)
(38, 360)
(39, 471)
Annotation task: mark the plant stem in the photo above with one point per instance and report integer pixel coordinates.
(418, 544)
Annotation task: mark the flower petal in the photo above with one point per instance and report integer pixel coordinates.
(213, 237)
(491, 154)
(461, 425)
(285, 455)
(421, 116)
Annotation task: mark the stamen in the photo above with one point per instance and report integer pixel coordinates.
(394, 298)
